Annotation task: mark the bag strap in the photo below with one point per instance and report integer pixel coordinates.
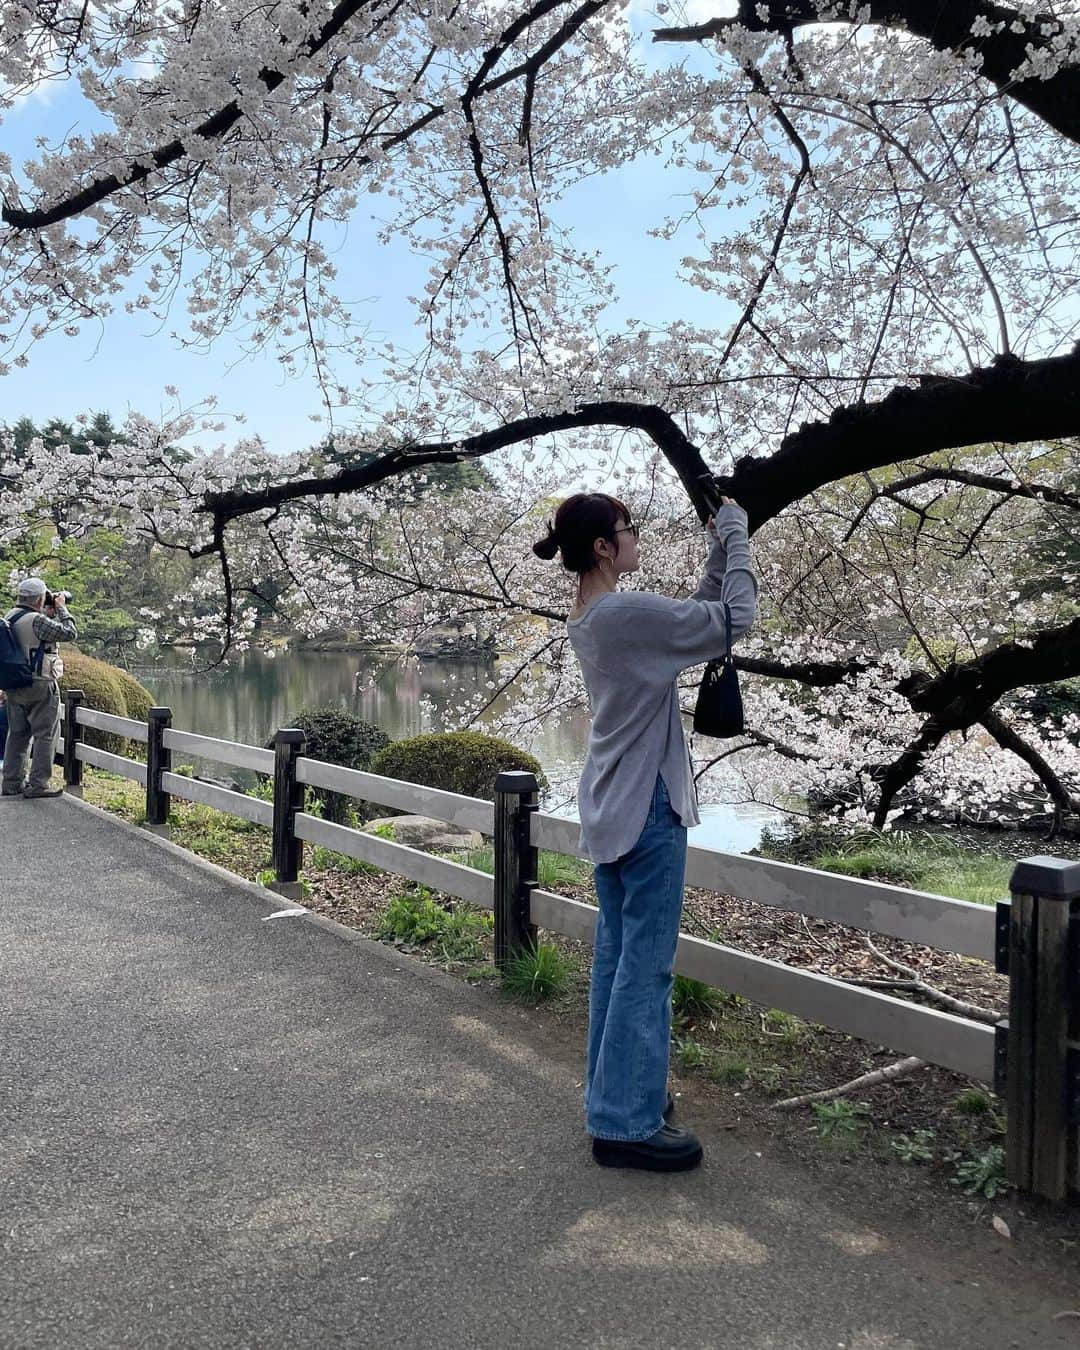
(727, 629)
(37, 654)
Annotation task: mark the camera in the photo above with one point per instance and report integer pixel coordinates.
(60, 597)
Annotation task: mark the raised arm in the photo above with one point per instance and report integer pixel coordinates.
(661, 637)
(59, 629)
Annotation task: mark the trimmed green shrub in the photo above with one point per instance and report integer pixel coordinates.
(137, 700)
(466, 762)
(109, 690)
(337, 737)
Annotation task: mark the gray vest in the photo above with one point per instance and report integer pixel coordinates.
(22, 625)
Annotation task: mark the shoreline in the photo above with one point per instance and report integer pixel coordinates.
(348, 645)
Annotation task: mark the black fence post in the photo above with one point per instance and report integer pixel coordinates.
(515, 864)
(158, 761)
(1042, 1071)
(288, 800)
(73, 766)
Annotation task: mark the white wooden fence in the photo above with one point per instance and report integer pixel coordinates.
(520, 830)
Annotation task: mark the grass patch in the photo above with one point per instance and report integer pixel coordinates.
(537, 973)
(325, 859)
(730, 1070)
(412, 917)
(771, 1078)
(690, 1054)
(838, 1120)
(692, 1000)
(924, 862)
(555, 869)
(788, 1029)
(972, 1102)
(453, 935)
(239, 845)
(462, 935)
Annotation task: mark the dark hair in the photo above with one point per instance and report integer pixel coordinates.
(579, 522)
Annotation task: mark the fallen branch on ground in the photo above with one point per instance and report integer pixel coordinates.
(914, 983)
(901, 1069)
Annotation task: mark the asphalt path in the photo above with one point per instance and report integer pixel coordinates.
(224, 1129)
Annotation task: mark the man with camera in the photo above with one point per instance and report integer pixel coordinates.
(39, 621)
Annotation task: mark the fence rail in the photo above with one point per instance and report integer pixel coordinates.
(472, 813)
(952, 1042)
(221, 799)
(1034, 1055)
(234, 753)
(874, 907)
(103, 759)
(427, 868)
(119, 726)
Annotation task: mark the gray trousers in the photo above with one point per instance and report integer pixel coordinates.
(33, 715)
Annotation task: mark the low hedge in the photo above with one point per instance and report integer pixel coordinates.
(337, 736)
(466, 762)
(107, 689)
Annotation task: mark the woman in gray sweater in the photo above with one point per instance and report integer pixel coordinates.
(636, 801)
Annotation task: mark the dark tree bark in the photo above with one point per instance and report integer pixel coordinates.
(683, 456)
(1012, 401)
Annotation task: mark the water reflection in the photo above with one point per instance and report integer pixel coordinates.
(253, 696)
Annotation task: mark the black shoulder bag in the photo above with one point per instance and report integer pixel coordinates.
(719, 710)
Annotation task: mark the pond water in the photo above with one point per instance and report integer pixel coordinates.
(255, 694)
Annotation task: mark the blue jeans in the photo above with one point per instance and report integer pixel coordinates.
(640, 898)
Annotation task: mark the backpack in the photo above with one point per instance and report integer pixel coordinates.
(16, 669)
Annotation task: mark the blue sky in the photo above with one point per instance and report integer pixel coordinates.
(127, 362)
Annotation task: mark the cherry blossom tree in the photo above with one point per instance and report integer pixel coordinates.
(885, 216)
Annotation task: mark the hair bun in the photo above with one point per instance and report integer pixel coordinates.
(547, 547)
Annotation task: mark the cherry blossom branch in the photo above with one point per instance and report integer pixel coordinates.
(1009, 739)
(1008, 487)
(999, 39)
(214, 127)
(963, 693)
(963, 696)
(1010, 401)
(210, 129)
(906, 766)
(816, 674)
(1012, 487)
(684, 457)
(801, 175)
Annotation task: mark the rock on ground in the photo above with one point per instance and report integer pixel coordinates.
(424, 833)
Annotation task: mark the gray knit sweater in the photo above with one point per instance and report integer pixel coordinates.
(632, 647)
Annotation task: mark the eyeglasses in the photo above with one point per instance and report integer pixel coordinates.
(635, 530)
